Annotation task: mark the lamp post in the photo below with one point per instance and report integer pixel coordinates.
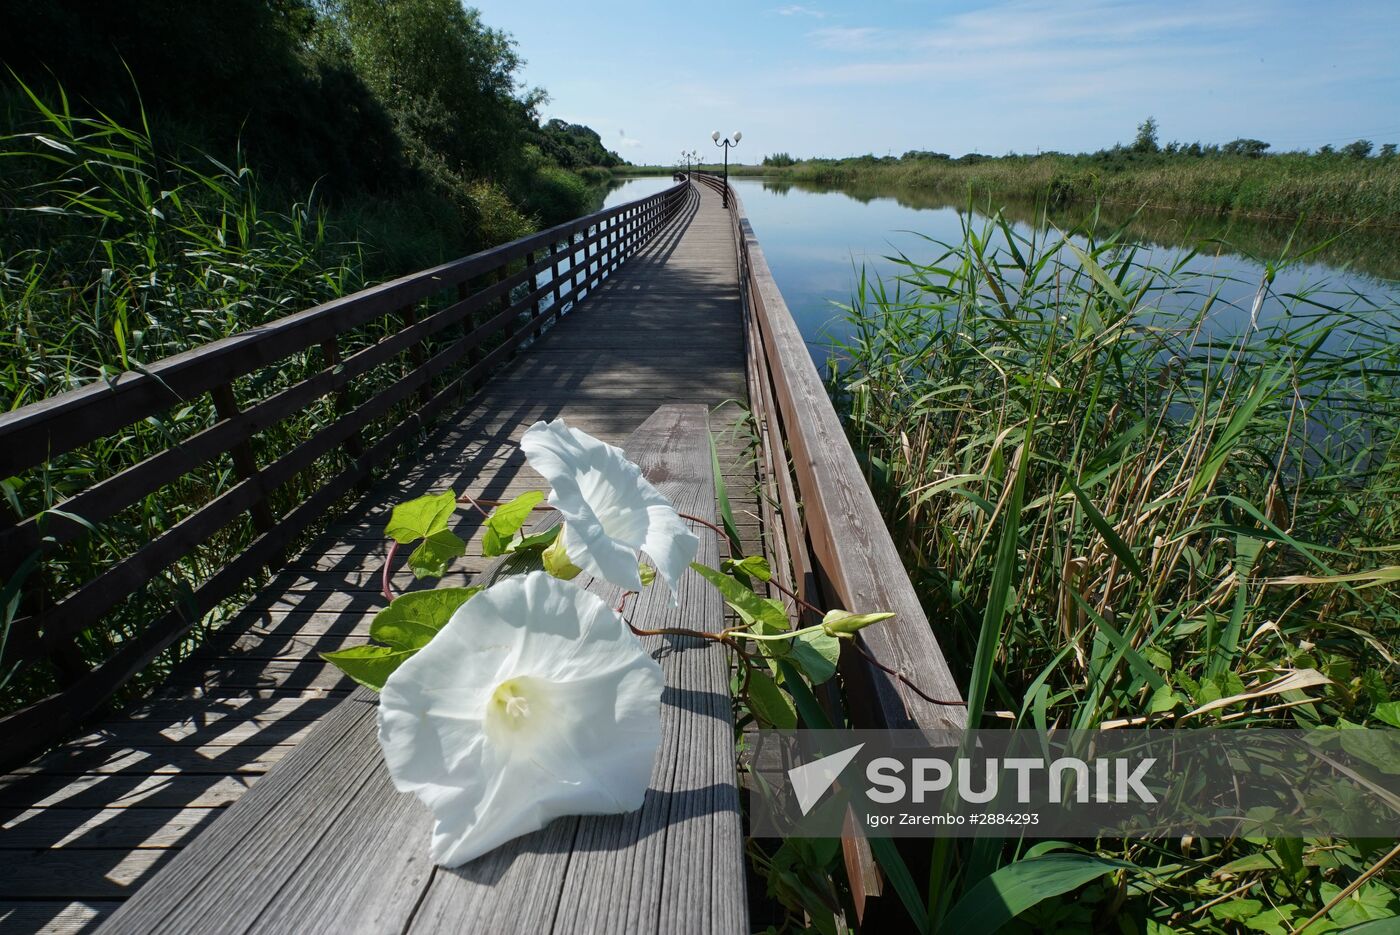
(690, 156)
(726, 143)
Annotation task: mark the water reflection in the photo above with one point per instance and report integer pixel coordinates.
(819, 241)
(1371, 250)
(620, 191)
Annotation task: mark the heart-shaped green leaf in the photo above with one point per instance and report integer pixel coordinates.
(371, 666)
(505, 521)
(816, 654)
(768, 702)
(755, 566)
(435, 553)
(421, 517)
(415, 618)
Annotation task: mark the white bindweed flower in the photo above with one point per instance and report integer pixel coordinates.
(610, 510)
(534, 701)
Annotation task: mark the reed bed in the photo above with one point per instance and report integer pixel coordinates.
(1316, 188)
(113, 256)
(1118, 512)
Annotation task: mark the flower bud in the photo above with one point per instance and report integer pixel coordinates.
(844, 624)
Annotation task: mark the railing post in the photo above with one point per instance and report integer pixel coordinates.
(417, 355)
(245, 464)
(63, 653)
(590, 256)
(534, 288)
(503, 302)
(614, 233)
(474, 354)
(340, 400)
(554, 254)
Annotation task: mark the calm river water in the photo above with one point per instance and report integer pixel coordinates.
(817, 242)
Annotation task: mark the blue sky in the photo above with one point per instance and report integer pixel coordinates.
(830, 78)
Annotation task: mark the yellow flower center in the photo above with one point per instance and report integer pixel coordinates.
(517, 706)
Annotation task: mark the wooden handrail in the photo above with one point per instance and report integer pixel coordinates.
(835, 536)
(447, 327)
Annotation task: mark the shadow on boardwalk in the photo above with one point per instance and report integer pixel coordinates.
(84, 826)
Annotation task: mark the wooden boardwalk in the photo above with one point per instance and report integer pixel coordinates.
(87, 824)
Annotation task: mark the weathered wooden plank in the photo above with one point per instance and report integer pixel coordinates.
(638, 872)
(856, 558)
(81, 873)
(475, 444)
(189, 877)
(297, 674)
(54, 917)
(200, 709)
(91, 791)
(124, 400)
(106, 828)
(108, 757)
(286, 646)
(269, 728)
(281, 875)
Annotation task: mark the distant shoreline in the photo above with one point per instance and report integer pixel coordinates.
(1333, 189)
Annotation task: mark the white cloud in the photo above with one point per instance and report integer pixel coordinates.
(849, 38)
(794, 9)
(1034, 44)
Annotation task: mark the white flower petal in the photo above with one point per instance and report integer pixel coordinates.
(591, 549)
(671, 545)
(533, 702)
(610, 510)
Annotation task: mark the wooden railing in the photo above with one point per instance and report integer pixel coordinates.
(834, 544)
(444, 329)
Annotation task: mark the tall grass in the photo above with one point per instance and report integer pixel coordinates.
(1117, 514)
(113, 256)
(1284, 186)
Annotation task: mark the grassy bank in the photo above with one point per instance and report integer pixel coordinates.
(1116, 516)
(1318, 188)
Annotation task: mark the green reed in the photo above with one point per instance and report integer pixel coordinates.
(113, 256)
(1117, 514)
(1288, 185)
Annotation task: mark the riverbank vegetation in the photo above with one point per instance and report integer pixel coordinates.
(168, 181)
(404, 123)
(1120, 516)
(1357, 183)
(1364, 248)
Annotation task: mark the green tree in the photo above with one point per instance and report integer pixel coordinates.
(1359, 149)
(1388, 151)
(450, 82)
(1245, 147)
(1146, 139)
(574, 146)
(213, 77)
